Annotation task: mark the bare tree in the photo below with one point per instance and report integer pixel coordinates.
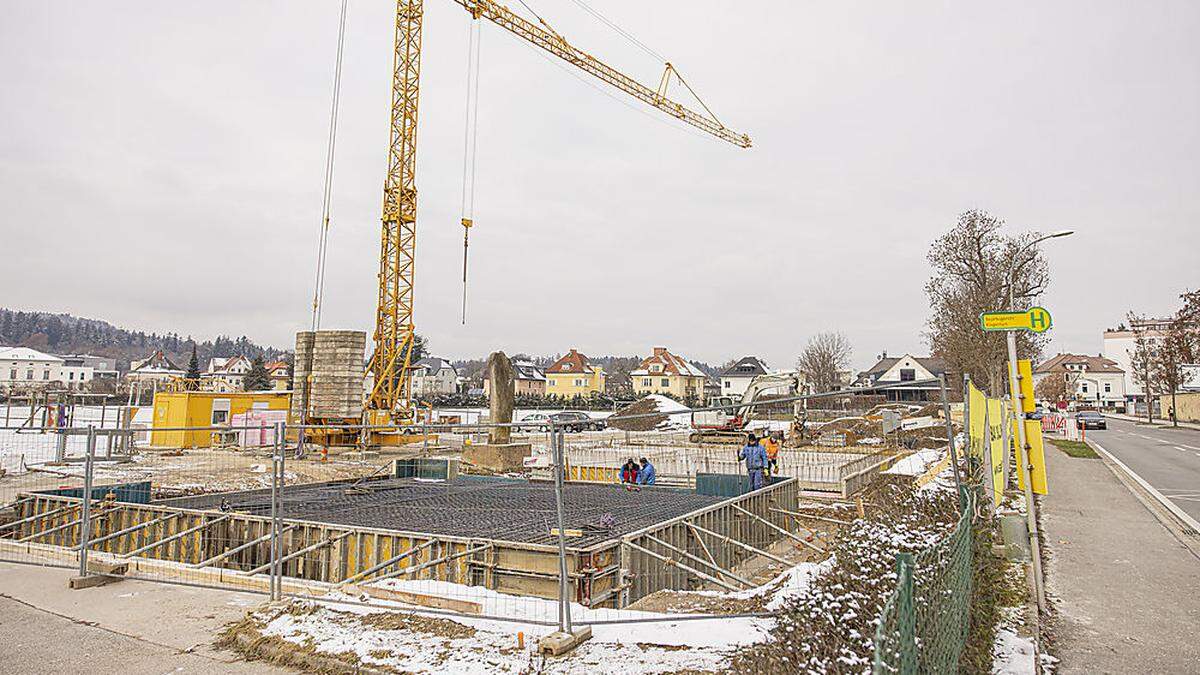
(1142, 361)
(823, 360)
(1056, 387)
(973, 266)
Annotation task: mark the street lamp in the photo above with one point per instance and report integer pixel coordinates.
(1019, 420)
(1012, 267)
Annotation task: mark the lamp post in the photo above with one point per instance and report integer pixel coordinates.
(1019, 421)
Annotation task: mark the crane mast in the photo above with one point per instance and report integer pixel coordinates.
(390, 396)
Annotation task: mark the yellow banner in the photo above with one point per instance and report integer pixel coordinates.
(1037, 456)
(997, 410)
(976, 432)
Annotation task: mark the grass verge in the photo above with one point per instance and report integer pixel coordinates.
(1075, 448)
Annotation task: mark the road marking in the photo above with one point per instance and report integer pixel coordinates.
(1176, 447)
(1146, 437)
(1187, 520)
(1189, 447)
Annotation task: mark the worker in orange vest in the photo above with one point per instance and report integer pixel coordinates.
(771, 443)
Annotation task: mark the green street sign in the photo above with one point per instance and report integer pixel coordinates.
(1037, 319)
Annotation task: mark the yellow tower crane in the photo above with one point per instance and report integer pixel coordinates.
(390, 400)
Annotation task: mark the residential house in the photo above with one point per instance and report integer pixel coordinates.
(527, 379)
(154, 369)
(665, 373)
(1096, 380)
(573, 374)
(281, 379)
(25, 367)
(225, 374)
(737, 377)
(433, 375)
(897, 370)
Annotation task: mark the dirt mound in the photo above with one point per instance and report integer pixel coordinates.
(660, 414)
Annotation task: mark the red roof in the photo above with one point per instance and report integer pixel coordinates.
(572, 362)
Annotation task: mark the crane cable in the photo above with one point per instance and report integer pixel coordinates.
(470, 143)
(327, 190)
(670, 69)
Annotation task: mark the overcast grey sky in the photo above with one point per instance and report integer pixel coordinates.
(161, 167)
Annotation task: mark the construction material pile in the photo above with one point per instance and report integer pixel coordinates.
(914, 426)
(652, 413)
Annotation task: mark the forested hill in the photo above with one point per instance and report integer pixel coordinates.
(66, 334)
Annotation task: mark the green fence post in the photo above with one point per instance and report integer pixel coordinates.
(905, 614)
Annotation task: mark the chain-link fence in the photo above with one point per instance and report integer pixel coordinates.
(924, 622)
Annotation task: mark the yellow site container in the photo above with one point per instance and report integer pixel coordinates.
(205, 409)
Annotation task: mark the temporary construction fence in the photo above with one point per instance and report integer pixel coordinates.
(924, 622)
(365, 528)
(266, 520)
(844, 473)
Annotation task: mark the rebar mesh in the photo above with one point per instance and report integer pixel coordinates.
(473, 506)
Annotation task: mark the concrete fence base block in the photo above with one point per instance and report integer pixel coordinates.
(559, 643)
(100, 573)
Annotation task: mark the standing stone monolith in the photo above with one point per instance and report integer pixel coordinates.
(502, 393)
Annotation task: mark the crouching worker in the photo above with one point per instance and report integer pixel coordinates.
(646, 473)
(756, 460)
(629, 472)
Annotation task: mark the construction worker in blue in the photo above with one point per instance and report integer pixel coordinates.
(755, 457)
(646, 474)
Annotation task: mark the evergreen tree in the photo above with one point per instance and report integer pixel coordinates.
(193, 370)
(257, 379)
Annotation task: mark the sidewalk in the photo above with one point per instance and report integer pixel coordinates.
(1123, 586)
(1158, 421)
(130, 627)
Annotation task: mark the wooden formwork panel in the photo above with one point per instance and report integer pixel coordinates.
(524, 569)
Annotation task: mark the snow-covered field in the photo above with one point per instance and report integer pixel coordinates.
(24, 447)
(664, 643)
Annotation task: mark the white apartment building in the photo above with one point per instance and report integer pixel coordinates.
(75, 371)
(22, 366)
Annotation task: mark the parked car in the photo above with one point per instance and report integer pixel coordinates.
(532, 422)
(576, 421)
(1090, 419)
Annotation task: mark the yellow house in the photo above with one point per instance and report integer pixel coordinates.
(572, 374)
(665, 373)
(205, 409)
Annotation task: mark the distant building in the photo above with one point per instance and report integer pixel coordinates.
(75, 371)
(280, 375)
(907, 368)
(433, 375)
(25, 367)
(737, 377)
(574, 374)
(225, 375)
(1092, 379)
(665, 373)
(1120, 344)
(154, 369)
(527, 379)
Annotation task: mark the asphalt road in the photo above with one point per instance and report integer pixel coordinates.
(1166, 458)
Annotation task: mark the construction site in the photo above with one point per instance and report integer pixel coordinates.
(345, 489)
